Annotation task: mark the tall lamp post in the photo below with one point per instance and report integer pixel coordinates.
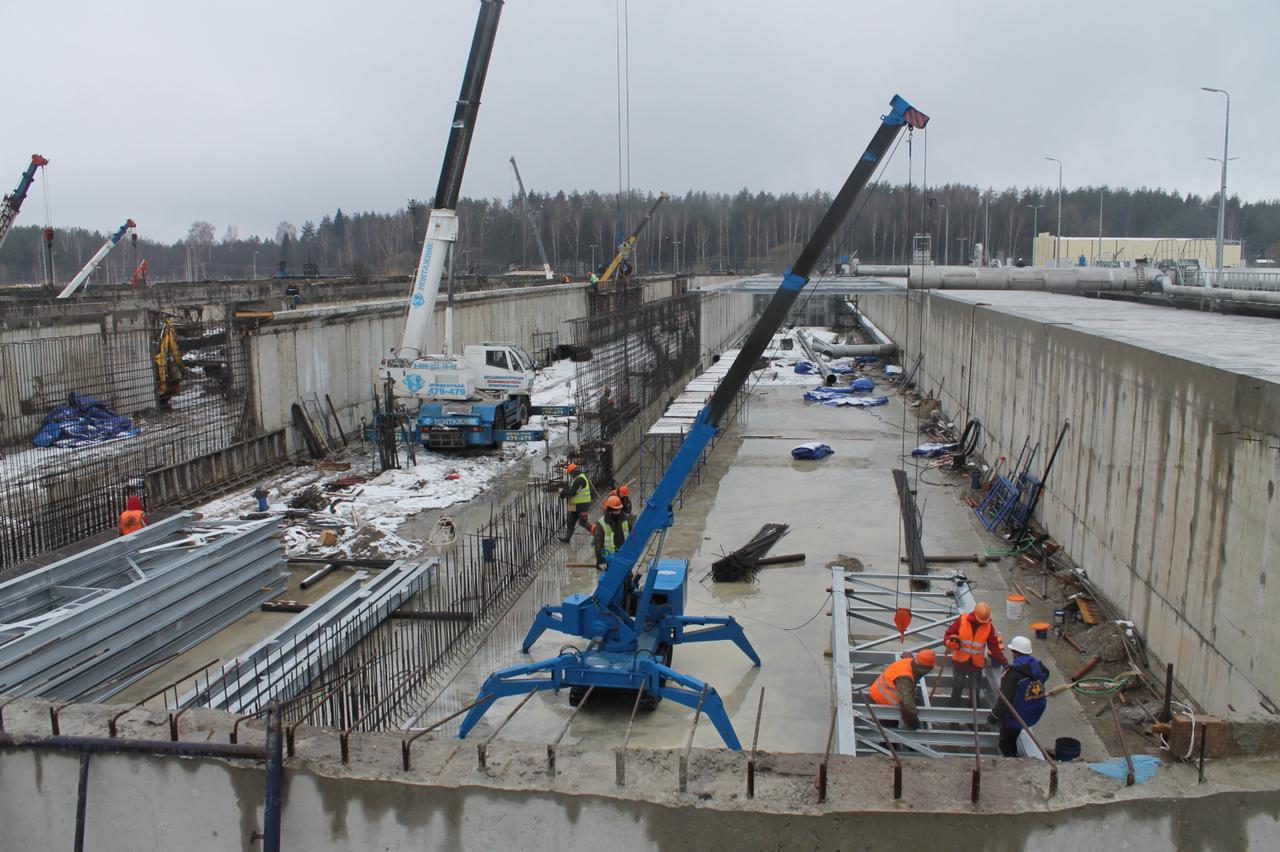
(255, 266)
(1035, 228)
(1057, 241)
(1222, 190)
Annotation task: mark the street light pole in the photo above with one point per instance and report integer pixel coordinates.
(1222, 191)
(986, 230)
(1035, 228)
(255, 266)
(1057, 241)
(593, 257)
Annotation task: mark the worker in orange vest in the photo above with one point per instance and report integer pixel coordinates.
(133, 518)
(971, 637)
(896, 686)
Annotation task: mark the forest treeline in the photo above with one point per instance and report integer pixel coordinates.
(700, 231)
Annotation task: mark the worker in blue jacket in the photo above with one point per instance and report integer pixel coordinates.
(1023, 684)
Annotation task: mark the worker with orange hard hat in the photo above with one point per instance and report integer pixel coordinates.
(896, 686)
(611, 530)
(624, 494)
(971, 638)
(577, 495)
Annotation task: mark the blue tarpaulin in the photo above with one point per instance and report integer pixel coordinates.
(811, 451)
(866, 359)
(930, 451)
(1144, 766)
(81, 422)
(805, 368)
(863, 384)
(839, 397)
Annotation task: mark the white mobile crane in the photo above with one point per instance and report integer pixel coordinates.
(528, 212)
(480, 397)
(98, 257)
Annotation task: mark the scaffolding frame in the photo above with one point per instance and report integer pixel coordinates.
(873, 599)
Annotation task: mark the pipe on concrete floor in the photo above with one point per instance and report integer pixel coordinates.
(1219, 294)
(844, 350)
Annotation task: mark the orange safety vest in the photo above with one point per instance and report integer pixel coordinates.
(131, 521)
(884, 690)
(973, 643)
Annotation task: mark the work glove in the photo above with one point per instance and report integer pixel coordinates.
(600, 566)
(953, 643)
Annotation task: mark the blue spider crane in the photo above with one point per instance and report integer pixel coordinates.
(635, 616)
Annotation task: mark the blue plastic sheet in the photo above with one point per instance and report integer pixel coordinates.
(842, 397)
(813, 451)
(805, 368)
(82, 422)
(930, 451)
(863, 384)
(866, 359)
(1144, 767)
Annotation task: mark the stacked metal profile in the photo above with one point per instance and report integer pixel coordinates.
(87, 626)
(281, 666)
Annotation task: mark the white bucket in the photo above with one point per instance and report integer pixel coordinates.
(1013, 606)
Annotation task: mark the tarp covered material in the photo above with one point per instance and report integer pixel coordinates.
(805, 368)
(81, 422)
(930, 451)
(863, 384)
(892, 370)
(812, 451)
(866, 359)
(839, 398)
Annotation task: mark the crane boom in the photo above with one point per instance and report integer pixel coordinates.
(97, 258)
(528, 212)
(624, 250)
(13, 201)
(442, 223)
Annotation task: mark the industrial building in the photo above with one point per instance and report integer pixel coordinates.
(1126, 251)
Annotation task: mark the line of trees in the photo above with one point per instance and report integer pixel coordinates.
(700, 231)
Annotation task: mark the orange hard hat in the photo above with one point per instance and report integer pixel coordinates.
(926, 658)
(982, 611)
(622, 489)
(613, 503)
(570, 467)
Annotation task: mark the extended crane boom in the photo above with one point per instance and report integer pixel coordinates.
(98, 256)
(528, 212)
(624, 250)
(442, 224)
(13, 201)
(635, 616)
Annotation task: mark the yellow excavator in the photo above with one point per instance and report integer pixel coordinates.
(624, 250)
(168, 361)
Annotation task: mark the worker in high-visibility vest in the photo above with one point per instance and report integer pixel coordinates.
(577, 495)
(133, 518)
(624, 494)
(896, 686)
(971, 638)
(611, 530)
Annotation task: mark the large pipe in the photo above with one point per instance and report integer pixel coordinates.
(1090, 279)
(1218, 294)
(845, 350)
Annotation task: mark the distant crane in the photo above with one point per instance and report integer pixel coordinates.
(13, 201)
(528, 212)
(621, 263)
(98, 256)
(139, 275)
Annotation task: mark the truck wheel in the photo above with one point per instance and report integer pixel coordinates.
(650, 701)
(500, 420)
(524, 412)
(576, 694)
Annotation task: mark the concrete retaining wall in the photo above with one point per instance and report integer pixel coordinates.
(1165, 488)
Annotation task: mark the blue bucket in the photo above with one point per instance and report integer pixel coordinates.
(1066, 748)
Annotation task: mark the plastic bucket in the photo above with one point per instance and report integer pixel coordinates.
(1059, 616)
(1066, 748)
(975, 479)
(1041, 628)
(1013, 607)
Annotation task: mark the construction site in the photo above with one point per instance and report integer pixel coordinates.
(823, 556)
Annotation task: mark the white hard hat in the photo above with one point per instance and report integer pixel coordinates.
(1021, 644)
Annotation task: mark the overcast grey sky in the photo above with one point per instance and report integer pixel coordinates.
(247, 113)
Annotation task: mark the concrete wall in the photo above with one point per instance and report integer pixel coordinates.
(1165, 488)
(726, 316)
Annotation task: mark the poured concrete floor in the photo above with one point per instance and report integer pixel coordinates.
(844, 505)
